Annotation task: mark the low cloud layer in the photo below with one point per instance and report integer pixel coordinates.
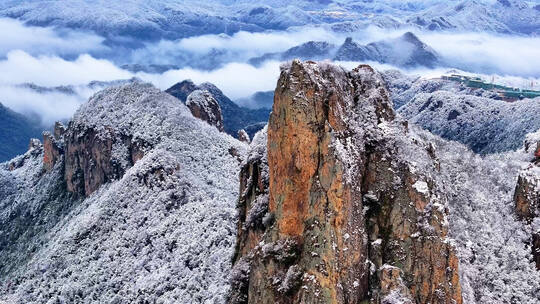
(213, 51)
(20, 67)
(49, 58)
(475, 52)
(486, 53)
(49, 107)
(45, 41)
(236, 80)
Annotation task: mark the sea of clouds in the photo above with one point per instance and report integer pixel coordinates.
(51, 57)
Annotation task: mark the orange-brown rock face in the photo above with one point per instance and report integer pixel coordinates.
(51, 151)
(53, 146)
(341, 210)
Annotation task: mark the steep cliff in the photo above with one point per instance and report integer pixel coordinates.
(348, 211)
(527, 194)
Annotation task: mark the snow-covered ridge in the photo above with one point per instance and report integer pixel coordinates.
(163, 232)
(485, 125)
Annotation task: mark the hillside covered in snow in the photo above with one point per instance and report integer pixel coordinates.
(136, 200)
(146, 214)
(478, 118)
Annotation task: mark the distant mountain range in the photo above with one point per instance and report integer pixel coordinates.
(167, 19)
(404, 51)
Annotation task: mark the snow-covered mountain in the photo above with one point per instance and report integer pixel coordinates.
(497, 16)
(162, 19)
(485, 125)
(359, 186)
(406, 51)
(477, 118)
(235, 117)
(134, 202)
(137, 200)
(167, 19)
(501, 16)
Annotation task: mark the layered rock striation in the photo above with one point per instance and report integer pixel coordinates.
(336, 210)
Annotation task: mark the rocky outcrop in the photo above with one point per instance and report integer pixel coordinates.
(93, 158)
(52, 151)
(205, 107)
(243, 136)
(527, 195)
(235, 117)
(344, 218)
(53, 146)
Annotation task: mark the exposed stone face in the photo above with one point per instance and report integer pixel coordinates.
(205, 107)
(59, 130)
(527, 200)
(341, 206)
(53, 146)
(392, 286)
(52, 150)
(94, 158)
(527, 196)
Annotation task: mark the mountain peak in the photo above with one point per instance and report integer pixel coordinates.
(412, 38)
(330, 134)
(149, 176)
(182, 89)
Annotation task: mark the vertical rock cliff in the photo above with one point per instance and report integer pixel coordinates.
(53, 146)
(339, 206)
(527, 195)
